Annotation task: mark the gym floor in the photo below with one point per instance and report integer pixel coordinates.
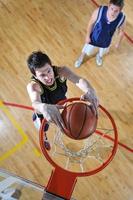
(59, 28)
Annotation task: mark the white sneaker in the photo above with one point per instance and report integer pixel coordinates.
(99, 60)
(78, 63)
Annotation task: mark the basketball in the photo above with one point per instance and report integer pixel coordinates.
(80, 120)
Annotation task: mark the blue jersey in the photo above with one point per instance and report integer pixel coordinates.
(103, 30)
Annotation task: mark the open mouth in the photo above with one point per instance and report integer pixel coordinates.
(49, 82)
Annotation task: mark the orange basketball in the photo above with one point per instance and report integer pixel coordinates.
(80, 120)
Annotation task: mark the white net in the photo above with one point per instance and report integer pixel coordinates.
(79, 155)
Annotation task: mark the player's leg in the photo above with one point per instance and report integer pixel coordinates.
(100, 54)
(37, 120)
(87, 50)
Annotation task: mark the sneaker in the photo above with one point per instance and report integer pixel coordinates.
(78, 63)
(99, 60)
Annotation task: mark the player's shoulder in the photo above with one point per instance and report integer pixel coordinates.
(95, 13)
(33, 86)
(62, 69)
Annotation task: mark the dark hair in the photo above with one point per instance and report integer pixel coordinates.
(119, 3)
(37, 60)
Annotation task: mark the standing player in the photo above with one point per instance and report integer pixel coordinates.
(101, 28)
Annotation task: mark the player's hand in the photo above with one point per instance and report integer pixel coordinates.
(93, 99)
(117, 46)
(87, 39)
(52, 114)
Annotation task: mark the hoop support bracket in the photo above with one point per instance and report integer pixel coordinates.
(61, 183)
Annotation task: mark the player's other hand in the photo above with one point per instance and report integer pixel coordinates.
(87, 40)
(117, 46)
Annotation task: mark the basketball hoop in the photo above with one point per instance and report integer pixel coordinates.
(81, 158)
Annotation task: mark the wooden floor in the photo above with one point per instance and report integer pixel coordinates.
(59, 28)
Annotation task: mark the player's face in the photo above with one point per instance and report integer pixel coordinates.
(45, 74)
(113, 10)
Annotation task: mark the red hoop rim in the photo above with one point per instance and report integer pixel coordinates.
(94, 171)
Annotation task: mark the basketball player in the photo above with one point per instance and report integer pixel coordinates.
(102, 25)
(48, 86)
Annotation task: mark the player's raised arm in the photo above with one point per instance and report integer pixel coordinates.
(83, 84)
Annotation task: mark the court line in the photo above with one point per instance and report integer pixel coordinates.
(20, 130)
(35, 150)
(125, 34)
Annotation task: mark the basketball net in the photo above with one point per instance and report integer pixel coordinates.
(91, 149)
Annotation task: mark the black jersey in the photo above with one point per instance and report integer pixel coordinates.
(54, 93)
